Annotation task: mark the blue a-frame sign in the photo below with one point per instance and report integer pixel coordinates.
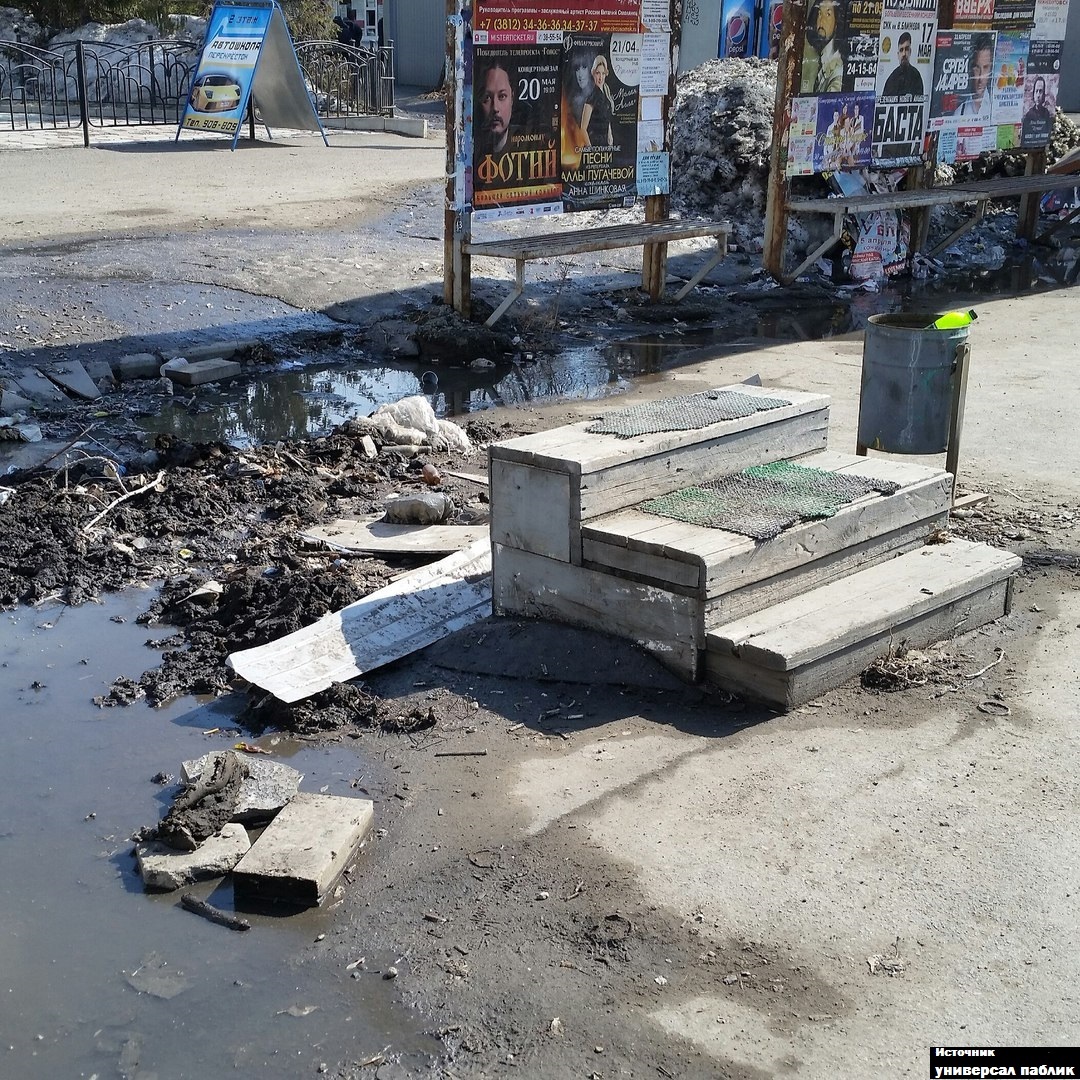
(248, 53)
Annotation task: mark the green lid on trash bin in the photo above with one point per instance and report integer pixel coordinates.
(953, 320)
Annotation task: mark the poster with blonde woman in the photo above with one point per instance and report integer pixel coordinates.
(600, 80)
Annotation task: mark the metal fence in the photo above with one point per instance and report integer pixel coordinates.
(96, 84)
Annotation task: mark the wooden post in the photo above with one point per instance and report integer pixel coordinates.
(956, 420)
(456, 264)
(788, 71)
(658, 207)
(1028, 220)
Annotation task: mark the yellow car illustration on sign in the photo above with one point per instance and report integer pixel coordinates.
(215, 93)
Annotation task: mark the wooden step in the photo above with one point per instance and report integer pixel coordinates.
(543, 486)
(792, 652)
(735, 575)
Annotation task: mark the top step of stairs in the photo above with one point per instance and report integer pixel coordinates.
(543, 486)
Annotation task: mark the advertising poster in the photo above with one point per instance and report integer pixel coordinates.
(824, 48)
(222, 81)
(1007, 86)
(515, 135)
(905, 70)
(973, 140)
(1013, 14)
(802, 136)
(975, 14)
(772, 22)
(520, 22)
(736, 29)
(842, 131)
(1040, 93)
(863, 30)
(1050, 19)
(963, 76)
(601, 74)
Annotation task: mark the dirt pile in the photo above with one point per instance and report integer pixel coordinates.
(723, 135)
(220, 529)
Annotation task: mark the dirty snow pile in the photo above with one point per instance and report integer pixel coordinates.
(723, 135)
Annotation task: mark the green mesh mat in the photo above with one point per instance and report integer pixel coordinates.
(689, 412)
(764, 500)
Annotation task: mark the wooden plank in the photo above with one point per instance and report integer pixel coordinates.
(829, 618)
(788, 689)
(573, 447)
(374, 534)
(531, 509)
(970, 498)
(759, 595)
(667, 625)
(680, 576)
(578, 241)
(634, 479)
(417, 609)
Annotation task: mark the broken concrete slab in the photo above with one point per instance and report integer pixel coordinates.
(73, 378)
(142, 365)
(41, 391)
(301, 854)
(268, 786)
(204, 371)
(10, 402)
(164, 869)
(215, 350)
(98, 370)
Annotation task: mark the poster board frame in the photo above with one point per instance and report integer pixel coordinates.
(461, 129)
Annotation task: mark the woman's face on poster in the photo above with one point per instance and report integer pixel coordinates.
(582, 75)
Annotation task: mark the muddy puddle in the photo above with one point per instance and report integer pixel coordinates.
(313, 394)
(97, 976)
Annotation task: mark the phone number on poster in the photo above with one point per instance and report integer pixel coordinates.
(539, 24)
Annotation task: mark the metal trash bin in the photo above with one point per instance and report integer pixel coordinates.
(911, 379)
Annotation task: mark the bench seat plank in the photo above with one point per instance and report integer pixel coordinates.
(571, 242)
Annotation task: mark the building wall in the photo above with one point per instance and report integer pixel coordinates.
(418, 30)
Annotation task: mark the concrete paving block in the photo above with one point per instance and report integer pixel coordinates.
(303, 851)
(269, 786)
(73, 378)
(41, 391)
(163, 869)
(216, 350)
(204, 371)
(141, 365)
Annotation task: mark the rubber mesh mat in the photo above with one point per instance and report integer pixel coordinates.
(764, 500)
(687, 413)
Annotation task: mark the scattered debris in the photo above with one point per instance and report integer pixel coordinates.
(881, 964)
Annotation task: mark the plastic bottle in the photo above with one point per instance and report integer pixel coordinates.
(954, 320)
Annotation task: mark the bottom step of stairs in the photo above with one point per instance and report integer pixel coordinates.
(794, 651)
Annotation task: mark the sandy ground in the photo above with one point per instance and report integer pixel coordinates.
(647, 882)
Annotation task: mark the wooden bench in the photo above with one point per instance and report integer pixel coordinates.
(979, 192)
(522, 249)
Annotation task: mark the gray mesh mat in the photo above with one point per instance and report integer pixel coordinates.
(690, 412)
(763, 500)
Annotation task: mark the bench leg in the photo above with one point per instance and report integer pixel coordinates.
(837, 232)
(515, 292)
(717, 255)
(957, 233)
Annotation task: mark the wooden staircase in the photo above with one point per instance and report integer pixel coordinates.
(781, 620)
